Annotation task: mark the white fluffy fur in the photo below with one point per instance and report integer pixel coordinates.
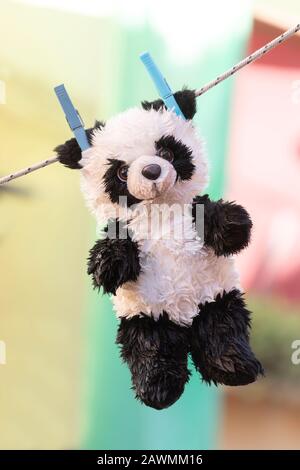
(177, 274)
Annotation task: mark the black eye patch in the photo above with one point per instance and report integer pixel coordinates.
(183, 157)
(113, 186)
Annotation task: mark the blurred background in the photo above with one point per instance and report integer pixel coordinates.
(63, 384)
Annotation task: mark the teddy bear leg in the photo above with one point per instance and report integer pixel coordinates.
(156, 352)
(220, 342)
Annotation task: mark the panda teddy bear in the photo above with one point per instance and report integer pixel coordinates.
(174, 295)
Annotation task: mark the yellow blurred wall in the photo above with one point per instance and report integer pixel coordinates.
(42, 269)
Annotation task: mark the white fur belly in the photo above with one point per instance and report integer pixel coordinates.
(176, 276)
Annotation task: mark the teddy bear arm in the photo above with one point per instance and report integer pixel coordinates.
(112, 262)
(227, 226)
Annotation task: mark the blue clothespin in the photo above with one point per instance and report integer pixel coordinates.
(73, 117)
(161, 84)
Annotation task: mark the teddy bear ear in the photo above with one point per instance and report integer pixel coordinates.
(186, 101)
(69, 153)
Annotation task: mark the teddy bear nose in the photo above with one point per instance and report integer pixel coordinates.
(151, 172)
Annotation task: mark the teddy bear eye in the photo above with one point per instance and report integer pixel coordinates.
(123, 173)
(166, 154)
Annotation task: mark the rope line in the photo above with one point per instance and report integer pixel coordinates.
(29, 169)
(248, 60)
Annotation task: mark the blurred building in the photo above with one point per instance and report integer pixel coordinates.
(264, 163)
(264, 175)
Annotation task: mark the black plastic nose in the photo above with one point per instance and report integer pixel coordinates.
(152, 171)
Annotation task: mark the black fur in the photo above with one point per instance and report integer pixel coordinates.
(156, 353)
(114, 187)
(185, 99)
(183, 158)
(227, 226)
(114, 261)
(69, 153)
(220, 342)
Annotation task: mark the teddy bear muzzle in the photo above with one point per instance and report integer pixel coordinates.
(149, 177)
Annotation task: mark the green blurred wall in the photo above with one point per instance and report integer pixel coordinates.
(115, 419)
(45, 227)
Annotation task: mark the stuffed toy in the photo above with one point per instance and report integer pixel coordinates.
(173, 295)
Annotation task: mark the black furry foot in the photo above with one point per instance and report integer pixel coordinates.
(220, 342)
(156, 353)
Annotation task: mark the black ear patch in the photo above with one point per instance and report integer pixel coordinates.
(69, 153)
(157, 105)
(186, 101)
